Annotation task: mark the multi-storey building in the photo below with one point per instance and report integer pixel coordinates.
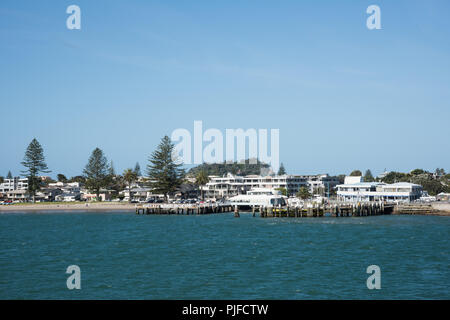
(358, 191)
(14, 184)
(231, 185)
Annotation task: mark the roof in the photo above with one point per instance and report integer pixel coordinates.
(17, 191)
(68, 194)
(403, 184)
(361, 184)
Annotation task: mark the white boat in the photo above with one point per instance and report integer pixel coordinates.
(259, 197)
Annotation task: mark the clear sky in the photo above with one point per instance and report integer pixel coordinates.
(344, 97)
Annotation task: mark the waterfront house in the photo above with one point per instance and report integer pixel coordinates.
(68, 197)
(17, 195)
(47, 194)
(105, 195)
(354, 191)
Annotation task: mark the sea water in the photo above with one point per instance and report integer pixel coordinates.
(128, 256)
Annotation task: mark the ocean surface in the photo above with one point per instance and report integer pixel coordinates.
(128, 256)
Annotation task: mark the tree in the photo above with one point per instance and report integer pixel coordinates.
(416, 172)
(201, 179)
(129, 176)
(282, 190)
(97, 172)
(393, 177)
(117, 184)
(368, 177)
(356, 173)
(303, 193)
(79, 179)
(137, 169)
(2, 179)
(282, 170)
(340, 178)
(61, 177)
(34, 162)
(433, 187)
(112, 171)
(164, 172)
(9, 175)
(220, 169)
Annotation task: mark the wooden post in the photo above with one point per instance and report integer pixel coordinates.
(236, 212)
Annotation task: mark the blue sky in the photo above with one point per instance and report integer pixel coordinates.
(344, 97)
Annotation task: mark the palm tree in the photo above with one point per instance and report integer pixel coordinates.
(201, 179)
(303, 193)
(129, 176)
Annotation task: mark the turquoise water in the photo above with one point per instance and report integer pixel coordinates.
(125, 256)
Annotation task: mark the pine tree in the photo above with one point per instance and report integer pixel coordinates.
(368, 177)
(97, 172)
(61, 177)
(282, 170)
(165, 174)
(34, 161)
(137, 169)
(112, 171)
(9, 176)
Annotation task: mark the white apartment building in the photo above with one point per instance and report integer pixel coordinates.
(231, 185)
(14, 184)
(320, 183)
(354, 191)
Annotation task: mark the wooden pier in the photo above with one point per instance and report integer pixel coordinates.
(183, 209)
(312, 210)
(320, 210)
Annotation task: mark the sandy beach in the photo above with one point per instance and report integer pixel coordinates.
(70, 206)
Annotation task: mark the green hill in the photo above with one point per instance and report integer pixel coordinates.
(220, 169)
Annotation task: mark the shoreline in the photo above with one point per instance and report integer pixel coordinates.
(69, 207)
(440, 209)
